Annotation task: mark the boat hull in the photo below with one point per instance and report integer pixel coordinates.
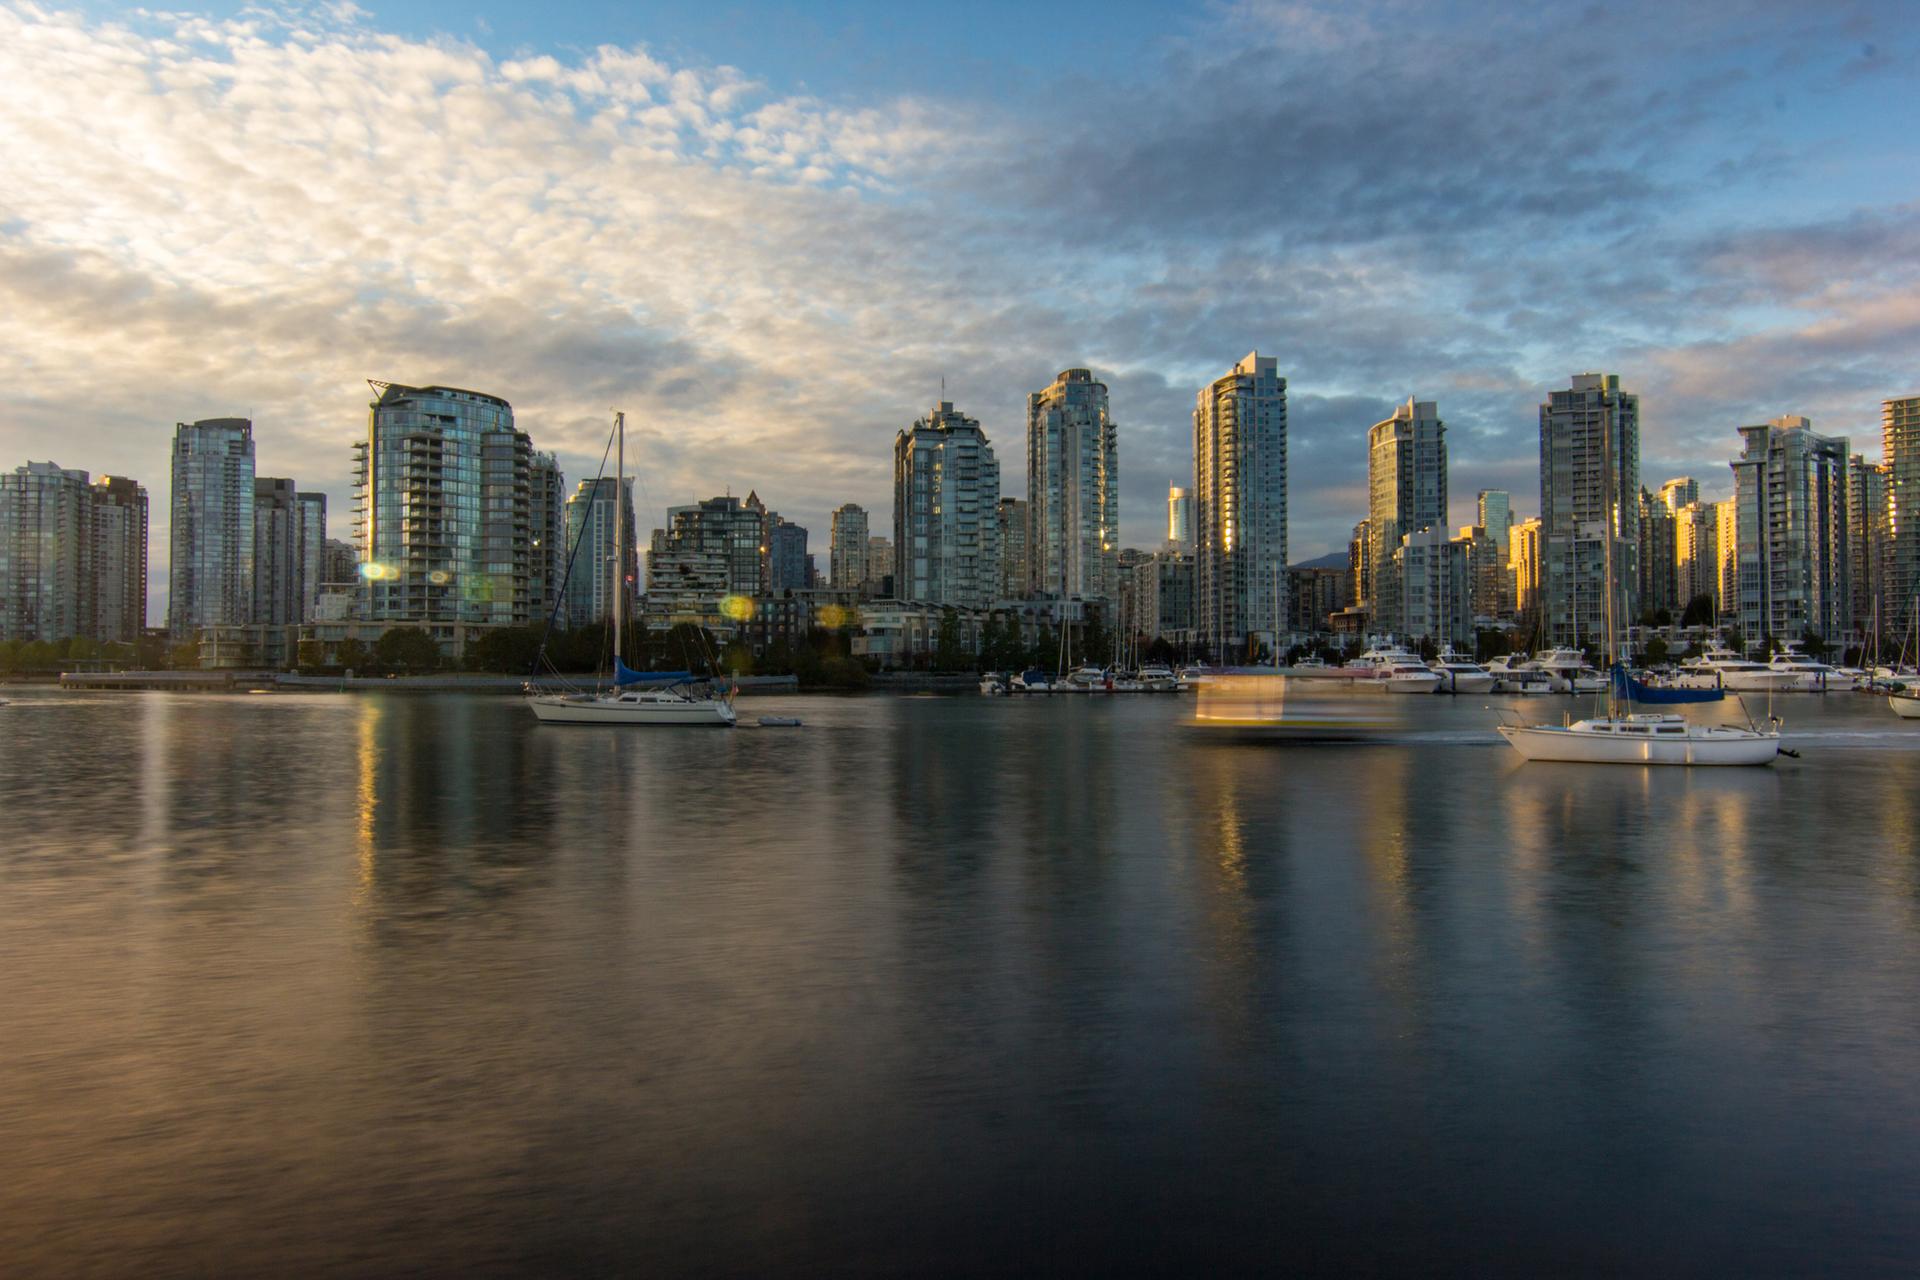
(1819, 682)
(1565, 745)
(1905, 705)
(1466, 681)
(1738, 681)
(711, 712)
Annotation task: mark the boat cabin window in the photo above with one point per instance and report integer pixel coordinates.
(1673, 728)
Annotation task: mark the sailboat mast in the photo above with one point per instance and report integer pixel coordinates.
(619, 535)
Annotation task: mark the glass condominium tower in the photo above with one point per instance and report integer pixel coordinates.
(1240, 506)
(1073, 490)
(1406, 494)
(444, 509)
(210, 568)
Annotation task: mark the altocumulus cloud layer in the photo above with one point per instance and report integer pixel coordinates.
(202, 217)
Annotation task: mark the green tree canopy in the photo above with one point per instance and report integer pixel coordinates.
(406, 649)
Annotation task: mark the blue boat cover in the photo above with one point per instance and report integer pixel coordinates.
(624, 674)
(1631, 690)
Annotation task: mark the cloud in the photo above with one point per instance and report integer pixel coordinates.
(204, 216)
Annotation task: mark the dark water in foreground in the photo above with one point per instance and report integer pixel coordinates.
(352, 984)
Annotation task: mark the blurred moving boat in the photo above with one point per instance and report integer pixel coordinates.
(1263, 703)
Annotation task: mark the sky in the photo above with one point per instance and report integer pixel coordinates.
(769, 232)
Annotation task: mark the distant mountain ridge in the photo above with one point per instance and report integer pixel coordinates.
(1331, 560)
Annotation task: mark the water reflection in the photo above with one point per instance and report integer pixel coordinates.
(936, 983)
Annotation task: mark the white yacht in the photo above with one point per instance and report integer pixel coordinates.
(1389, 668)
(1156, 678)
(1724, 669)
(1905, 705)
(1087, 679)
(1197, 674)
(1458, 674)
(668, 698)
(1569, 671)
(1810, 674)
(993, 684)
(1514, 676)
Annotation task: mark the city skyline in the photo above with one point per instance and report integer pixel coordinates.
(680, 208)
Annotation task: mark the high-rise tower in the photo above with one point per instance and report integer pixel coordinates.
(1589, 461)
(1406, 493)
(1240, 507)
(946, 486)
(1073, 489)
(210, 563)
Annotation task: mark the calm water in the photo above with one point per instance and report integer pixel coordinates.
(342, 984)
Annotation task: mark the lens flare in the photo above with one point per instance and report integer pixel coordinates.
(739, 608)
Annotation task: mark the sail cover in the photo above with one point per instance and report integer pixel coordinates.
(1631, 690)
(624, 674)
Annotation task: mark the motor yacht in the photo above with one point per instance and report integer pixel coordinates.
(1032, 680)
(1459, 674)
(1514, 676)
(1388, 668)
(1722, 668)
(1157, 678)
(1197, 674)
(1569, 671)
(1810, 674)
(1087, 679)
(994, 684)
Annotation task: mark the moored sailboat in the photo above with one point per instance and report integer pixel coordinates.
(1622, 737)
(635, 697)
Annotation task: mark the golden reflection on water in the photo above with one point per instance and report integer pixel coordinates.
(156, 755)
(1223, 844)
(1387, 859)
(366, 797)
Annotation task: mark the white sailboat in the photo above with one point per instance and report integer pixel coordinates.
(1620, 737)
(637, 697)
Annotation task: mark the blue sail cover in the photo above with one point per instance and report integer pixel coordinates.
(1628, 689)
(624, 674)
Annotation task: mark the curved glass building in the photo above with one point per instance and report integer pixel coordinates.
(445, 510)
